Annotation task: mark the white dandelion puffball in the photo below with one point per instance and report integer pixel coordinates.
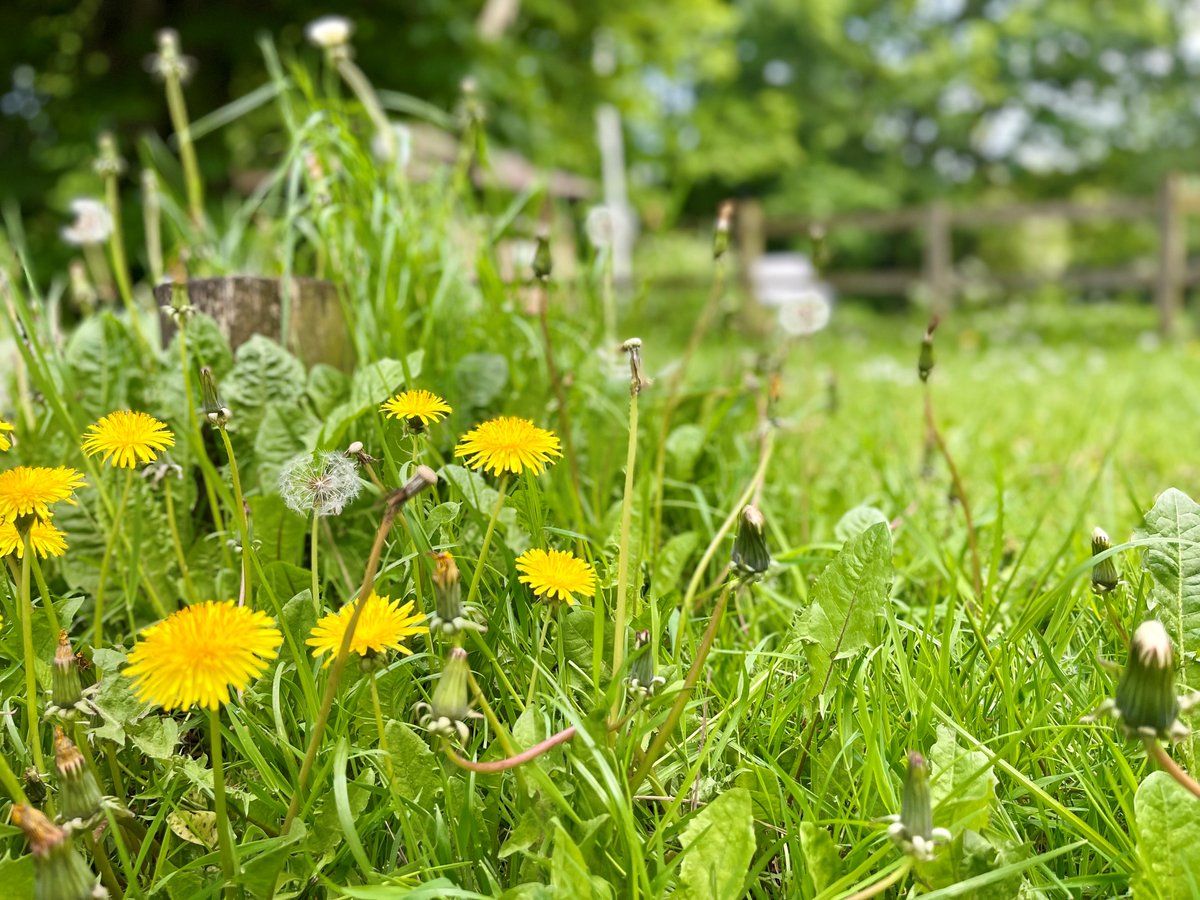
(781, 278)
(92, 224)
(329, 31)
(600, 226)
(319, 483)
(807, 314)
(401, 145)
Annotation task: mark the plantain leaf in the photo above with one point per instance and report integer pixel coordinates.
(1168, 839)
(718, 846)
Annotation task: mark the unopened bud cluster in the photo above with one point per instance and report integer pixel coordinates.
(449, 708)
(912, 831)
(450, 616)
(643, 683)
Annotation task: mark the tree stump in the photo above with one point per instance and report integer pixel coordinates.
(246, 305)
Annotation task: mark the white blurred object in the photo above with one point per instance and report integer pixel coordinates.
(92, 224)
(599, 226)
(807, 314)
(329, 31)
(401, 145)
(780, 278)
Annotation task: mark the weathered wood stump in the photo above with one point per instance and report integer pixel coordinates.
(246, 305)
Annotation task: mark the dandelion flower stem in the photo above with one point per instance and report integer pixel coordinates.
(177, 107)
(120, 264)
(224, 838)
(98, 628)
(31, 691)
(618, 656)
(314, 544)
(961, 492)
(239, 515)
(537, 656)
(177, 543)
(378, 707)
(44, 591)
(477, 575)
(1155, 749)
(358, 83)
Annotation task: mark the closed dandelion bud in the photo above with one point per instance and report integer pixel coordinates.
(446, 713)
(1104, 572)
(542, 264)
(913, 830)
(215, 410)
(66, 690)
(1146, 703)
(750, 553)
(450, 615)
(108, 162)
(721, 231)
(925, 360)
(79, 792)
(642, 680)
(59, 872)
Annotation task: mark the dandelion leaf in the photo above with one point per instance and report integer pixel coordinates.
(1174, 564)
(718, 846)
(962, 785)
(821, 860)
(1168, 839)
(414, 767)
(264, 374)
(17, 877)
(856, 521)
(480, 378)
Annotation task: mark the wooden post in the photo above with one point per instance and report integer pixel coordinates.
(939, 258)
(1172, 254)
(245, 305)
(751, 240)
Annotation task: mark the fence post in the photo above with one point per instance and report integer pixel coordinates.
(1172, 254)
(939, 261)
(751, 239)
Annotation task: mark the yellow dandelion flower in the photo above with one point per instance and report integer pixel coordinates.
(508, 444)
(29, 490)
(197, 654)
(5, 441)
(383, 625)
(422, 406)
(556, 574)
(44, 538)
(127, 439)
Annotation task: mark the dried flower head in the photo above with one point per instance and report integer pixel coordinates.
(169, 64)
(59, 872)
(508, 444)
(913, 830)
(450, 614)
(92, 225)
(417, 408)
(599, 226)
(1104, 572)
(329, 32)
(542, 264)
(29, 490)
(721, 230)
(44, 538)
(127, 438)
(197, 654)
(556, 575)
(320, 483)
(925, 360)
(382, 625)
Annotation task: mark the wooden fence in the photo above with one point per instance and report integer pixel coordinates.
(1167, 279)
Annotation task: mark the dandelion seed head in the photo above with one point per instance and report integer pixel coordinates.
(321, 483)
(329, 32)
(92, 224)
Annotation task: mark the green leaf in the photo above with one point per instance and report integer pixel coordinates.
(101, 356)
(263, 375)
(847, 601)
(962, 784)
(856, 521)
(1175, 567)
(118, 705)
(822, 862)
(477, 493)
(684, 445)
(373, 384)
(156, 736)
(285, 431)
(570, 878)
(279, 533)
(480, 378)
(327, 387)
(973, 856)
(414, 765)
(718, 845)
(286, 580)
(1168, 837)
(526, 833)
(17, 877)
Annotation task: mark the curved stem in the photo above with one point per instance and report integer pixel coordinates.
(224, 837)
(240, 516)
(502, 765)
(477, 575)
(959, 490)
(31, 690)
(98, 628)
(681, 700)
(1168, 765)
(177, 108)
(618, 656)
(884, 883)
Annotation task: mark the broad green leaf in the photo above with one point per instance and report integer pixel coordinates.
(856, 521)
(962, 784)
(1174, 565)
(1168, 838)
(115, 700)
(195, 826)
(972, 855)
(718, 845)
(670, 561)
(285, 431)
(822, 863)
(570, 878)
(526, 833)
(279, 533)
(207, 346)
(327, 387)
(101, 357)
(263, 375)
(156, 736)
(414, 765)
(480, 378)
(373, 384)
(475, 490)
(17, 877)
(684, 445)
(847, 601)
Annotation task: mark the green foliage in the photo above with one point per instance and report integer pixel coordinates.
(718, 845)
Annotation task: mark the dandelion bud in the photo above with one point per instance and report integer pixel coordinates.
(450, 615)
(108, 163)
(66, 688)
(1104, 572)
(542, 263)
(721, 232)
(82, 292)
(913, 830)
(750, 554)
(925, 360)
(642, 680)
(329, 32)
(423, 477)
(215, 410)
(446, 713)
(79, 792)
(1146, 704)
(59, 872)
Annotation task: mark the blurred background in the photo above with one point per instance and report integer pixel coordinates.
(810, 113)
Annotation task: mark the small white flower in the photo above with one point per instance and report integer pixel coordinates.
(807, 314)
(599, 226)
(329, 31)
(321, 483)
(92, 224)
